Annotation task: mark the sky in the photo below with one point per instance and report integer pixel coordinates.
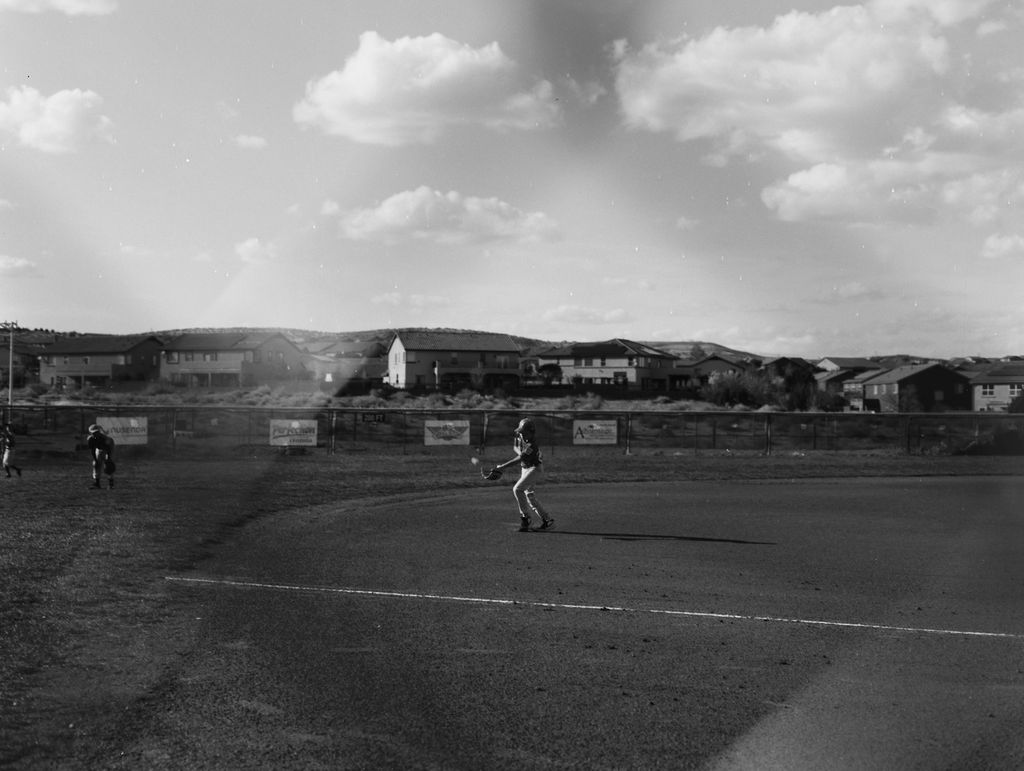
(783, 177)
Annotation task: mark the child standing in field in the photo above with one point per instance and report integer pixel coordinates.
(7, 440)
(101, 447)
(530, 460)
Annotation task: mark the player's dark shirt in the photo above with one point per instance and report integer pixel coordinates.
(528, 451)
(99, 442)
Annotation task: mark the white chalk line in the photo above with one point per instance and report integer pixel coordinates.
(604, 608)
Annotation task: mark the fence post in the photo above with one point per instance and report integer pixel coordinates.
(768, 433)
(629, 428)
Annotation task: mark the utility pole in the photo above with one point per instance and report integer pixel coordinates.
(10, 326)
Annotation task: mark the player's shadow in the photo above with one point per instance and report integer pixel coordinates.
(652, 537)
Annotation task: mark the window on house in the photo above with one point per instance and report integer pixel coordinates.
(172, 357)
(453, 358)
(1016, 389)
(577, 362)
(588, 362)
(189, 356)
(604, 362)
(210, 356)
(85, 360)
(988, 389)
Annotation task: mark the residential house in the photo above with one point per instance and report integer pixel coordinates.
(697, 373)
(347, 366)
(917, 388)
(100, 360)
(618, 363)
(992, 391)
(833, 372)
(452, 361)
(230, 359)
(853, 388)
(22, 355)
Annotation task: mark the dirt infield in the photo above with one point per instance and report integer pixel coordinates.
(100, 648)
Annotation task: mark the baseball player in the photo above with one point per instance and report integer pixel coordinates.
(101, 447)
(530, 460)
(7, 440)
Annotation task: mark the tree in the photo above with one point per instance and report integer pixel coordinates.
(1016, 404)
(551, 373)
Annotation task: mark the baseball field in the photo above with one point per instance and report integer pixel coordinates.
(363, 610)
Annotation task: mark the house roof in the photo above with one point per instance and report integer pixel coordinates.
(1006, 373)
(850, 362)
(614, 347)
(899, 374)
(98, 344)
(863, 377)
(834, 374)
(220, 341)
(415, 340)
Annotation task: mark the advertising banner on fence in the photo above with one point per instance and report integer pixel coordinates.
(125, 430)
(595, 432)
(293, 433)
(442, 432)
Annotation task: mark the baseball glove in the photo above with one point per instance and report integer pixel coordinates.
(491, 475)
(109, 467)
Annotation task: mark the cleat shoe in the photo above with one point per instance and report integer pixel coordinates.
(547, 524)
(524, 525)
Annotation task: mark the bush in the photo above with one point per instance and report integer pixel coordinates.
(1016, 404)
(730, 389)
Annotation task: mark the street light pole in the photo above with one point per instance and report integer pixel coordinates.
(10, 326)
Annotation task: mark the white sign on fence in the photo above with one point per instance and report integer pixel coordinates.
(125, 430)
(442, 432)
(595, 432)
(293, 433)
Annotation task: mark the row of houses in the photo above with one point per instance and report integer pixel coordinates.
(451, 361)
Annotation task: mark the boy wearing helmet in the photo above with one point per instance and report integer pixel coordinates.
(101, 448)
(529, 458)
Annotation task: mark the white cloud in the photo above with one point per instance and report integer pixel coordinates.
(59, 123)
(410, 90)
(250, 142)
(11, 267)
(998, 246)
(575, 314)
(255, 252)
(809, 89)
(808, 84)
(69, 7)
(6, 205)
(448, 218)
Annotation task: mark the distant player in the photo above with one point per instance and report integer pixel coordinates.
(530, 460)
(101, 447)
(7, 440)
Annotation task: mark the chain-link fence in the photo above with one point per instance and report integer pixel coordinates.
(223, 430)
